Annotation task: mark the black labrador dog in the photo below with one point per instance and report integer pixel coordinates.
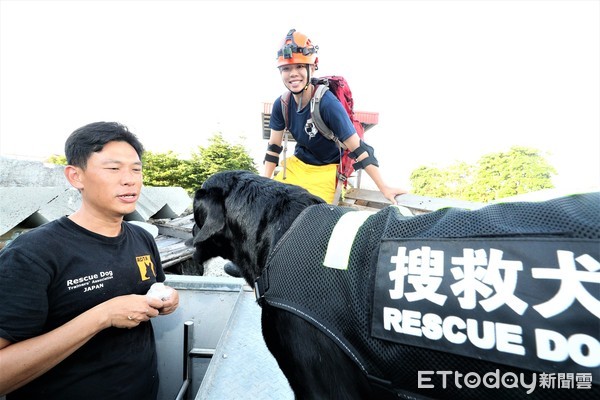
(249, 219)
(240, 216)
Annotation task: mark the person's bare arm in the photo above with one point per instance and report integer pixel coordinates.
(24, 361)
(275, 138)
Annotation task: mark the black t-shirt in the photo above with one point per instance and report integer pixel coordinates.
(53, 273)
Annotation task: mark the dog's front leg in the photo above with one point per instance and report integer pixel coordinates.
(316, 368)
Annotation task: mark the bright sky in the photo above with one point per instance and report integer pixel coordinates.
(451, 80)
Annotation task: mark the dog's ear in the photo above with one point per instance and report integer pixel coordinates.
(209, 214)
(190, 242)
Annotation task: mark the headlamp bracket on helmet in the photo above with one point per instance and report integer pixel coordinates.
(286, 52)
(289, 49)
(292, 47)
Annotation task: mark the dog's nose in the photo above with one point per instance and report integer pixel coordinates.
(232, 269)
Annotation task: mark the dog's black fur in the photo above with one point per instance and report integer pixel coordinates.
(240, 216)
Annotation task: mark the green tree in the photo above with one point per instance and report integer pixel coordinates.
(163, 169)
(520, 170)
(443, 183)
(57, 159)
(493, 176)
(217, 156)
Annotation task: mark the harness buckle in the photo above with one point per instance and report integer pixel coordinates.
(341, 176)
(261, 285)
(310, 129)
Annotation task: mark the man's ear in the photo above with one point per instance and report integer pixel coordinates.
(73, 175)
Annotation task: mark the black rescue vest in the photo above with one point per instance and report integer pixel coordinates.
(511, 288)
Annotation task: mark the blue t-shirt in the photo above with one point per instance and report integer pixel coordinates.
(317, 150)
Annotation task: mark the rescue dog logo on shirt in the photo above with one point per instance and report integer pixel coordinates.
(146, 267)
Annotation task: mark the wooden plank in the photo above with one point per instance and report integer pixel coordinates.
(175, 231)
(179, 227)
(411, 201)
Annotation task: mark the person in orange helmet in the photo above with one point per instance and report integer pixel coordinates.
(315, 160)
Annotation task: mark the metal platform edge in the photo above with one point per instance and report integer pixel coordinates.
(242, 366)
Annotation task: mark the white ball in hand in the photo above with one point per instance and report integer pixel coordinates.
(159, 291)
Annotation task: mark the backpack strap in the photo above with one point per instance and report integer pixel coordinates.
(315, 112)
(285, 109)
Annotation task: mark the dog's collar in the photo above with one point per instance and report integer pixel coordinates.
(261, 285)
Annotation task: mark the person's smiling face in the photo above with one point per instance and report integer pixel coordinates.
(294, 76)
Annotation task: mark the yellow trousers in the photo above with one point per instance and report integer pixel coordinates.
(319, 180)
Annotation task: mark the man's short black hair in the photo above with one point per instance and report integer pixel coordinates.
(93, 137)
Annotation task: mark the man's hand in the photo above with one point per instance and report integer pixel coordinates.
(170, 304)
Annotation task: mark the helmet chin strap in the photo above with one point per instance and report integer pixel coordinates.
(307, 76)
(305, 87)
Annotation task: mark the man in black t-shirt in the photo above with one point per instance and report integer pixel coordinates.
(74, 317)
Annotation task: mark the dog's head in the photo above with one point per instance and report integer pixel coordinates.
(240, 216)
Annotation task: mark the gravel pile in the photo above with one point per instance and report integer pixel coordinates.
(214, 267)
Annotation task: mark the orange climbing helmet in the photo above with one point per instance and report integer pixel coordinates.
(297, 48)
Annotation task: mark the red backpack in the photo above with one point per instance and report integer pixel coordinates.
(340, 88)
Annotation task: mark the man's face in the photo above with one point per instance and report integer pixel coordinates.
(112, 180)
(294, 76)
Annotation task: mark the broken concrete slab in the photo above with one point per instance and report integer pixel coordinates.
(19, 204)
